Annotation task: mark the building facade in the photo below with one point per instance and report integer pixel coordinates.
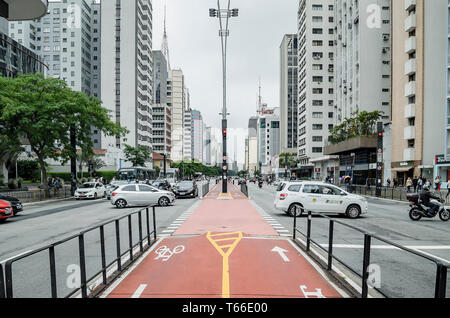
(288, 93)
(127, 69)
(176, 97)
(162, 109)
(197, 136)
(315, 80)
(420, 86)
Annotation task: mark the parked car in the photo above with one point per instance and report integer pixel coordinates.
(187, 189)
(140, 195)
(296, 198)
(6, 211)
(15, 203)
(90, 190)
(112, 186)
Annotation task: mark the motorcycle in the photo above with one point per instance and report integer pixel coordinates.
(419, 211)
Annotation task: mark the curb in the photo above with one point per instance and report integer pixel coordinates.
(46, 201)
(383, 199)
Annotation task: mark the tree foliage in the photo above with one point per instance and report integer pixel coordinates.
(43, 111)
(189, 168)
(359, 124)
(138, 156)
(288, 160)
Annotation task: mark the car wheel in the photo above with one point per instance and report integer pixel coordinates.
(104, 194)
(121, 203)
(295, 209)
(95, 196)
(353, 211)
(163, 201)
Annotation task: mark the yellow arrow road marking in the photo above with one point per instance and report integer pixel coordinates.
(237, 236)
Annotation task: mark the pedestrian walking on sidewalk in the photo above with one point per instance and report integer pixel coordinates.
(409, 184)
(448, 189)
(419, 184)
(415, 181)
(437, 183)
(388, 183)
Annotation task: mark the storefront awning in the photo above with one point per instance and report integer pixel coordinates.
(402, 169)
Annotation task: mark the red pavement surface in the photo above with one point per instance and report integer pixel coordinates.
(209, 265)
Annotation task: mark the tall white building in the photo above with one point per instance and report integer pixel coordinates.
(363, 57)
(187, 137)
(288, 93)
(176, 97)
(315, 80)
(127, 69)
(197, 135)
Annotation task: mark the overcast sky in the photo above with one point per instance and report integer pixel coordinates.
(253, 52)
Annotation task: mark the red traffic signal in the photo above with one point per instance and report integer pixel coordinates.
(224, 132)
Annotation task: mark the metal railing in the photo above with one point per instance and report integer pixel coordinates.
(441, 268)
(205, 189)
(398, 193)
(83, 288)
(2, 283)
(39, 195)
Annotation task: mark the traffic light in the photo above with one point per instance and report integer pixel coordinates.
(224, 132)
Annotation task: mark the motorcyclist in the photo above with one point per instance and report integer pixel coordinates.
(425, 196)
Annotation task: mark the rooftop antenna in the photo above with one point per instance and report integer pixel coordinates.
(165, 43)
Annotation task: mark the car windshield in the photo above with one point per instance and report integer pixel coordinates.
(87, 186)
(281, 187)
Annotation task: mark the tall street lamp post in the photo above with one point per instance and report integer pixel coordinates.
(224, 15)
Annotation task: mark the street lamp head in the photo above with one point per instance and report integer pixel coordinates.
(212, 13)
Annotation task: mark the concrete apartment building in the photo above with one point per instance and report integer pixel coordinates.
(162, 109)
(187, 137)
(288, 93)
(420, 80)
(176, 97)
(269, 137)
(315, 80)
(362, 76)
(127, 69)
(252, 157)
(197, 136)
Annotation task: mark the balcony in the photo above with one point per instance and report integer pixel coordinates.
(410, 67)
(409, 133)
(19, 10)
(410, 23)
(410, 4)
(408, 154)
(410, 89)
(410, 45)
(410, 111)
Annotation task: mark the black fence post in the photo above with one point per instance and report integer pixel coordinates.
(102, 248)
(330, 245)
(2, 283)
(295, 225)
(8, 278)
(148, 226)
(366, 262)
(441, 281)
(82, 266)
(130, 237)
(154, 223)
(51, 254)
(119, 261)
(141, 248)
(308, 235)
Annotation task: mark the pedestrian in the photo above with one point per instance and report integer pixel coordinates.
(368, 183)
(388, 183)
(409, 184)
(395, 183)
(448, 188)
(428, 183)
(419, 184)
(437, 183)
(415, 181)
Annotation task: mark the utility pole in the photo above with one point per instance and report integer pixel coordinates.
(224, 17)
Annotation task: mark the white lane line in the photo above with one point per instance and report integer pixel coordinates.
(168, 231)
(416, 247)
(139, 291)
(282, 231)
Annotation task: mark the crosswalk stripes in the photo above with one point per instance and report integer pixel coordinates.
(280, 229)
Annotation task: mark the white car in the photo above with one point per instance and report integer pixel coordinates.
(90, 190)
(140, 195)
(296, 198)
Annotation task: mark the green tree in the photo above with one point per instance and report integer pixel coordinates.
(44, 110)
(138, 156)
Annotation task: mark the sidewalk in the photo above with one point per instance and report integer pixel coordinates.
(224, 249)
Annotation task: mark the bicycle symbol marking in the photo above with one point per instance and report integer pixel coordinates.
(165, 253)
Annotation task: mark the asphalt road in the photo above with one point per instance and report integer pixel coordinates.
(47, 223)
(401, 273)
